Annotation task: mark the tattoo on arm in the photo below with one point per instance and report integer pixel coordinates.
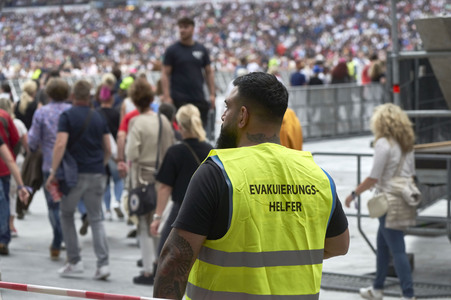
(173, 268)
(262, 138)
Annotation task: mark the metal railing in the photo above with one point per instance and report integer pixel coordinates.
(324, 111)
(335, 110)
(359, 215)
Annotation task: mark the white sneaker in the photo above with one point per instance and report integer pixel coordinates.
(102, 273)
(108, 216)
(404, 298)
(70, 269)
(371, 293)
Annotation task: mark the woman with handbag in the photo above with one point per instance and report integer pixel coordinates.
(393, 157)
(179, 165)
(149, 138)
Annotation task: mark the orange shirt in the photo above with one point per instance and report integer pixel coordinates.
(291, 131)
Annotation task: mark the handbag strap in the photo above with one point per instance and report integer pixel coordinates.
(83, 129)
(401, 163)
(160, 129)
(192, 152)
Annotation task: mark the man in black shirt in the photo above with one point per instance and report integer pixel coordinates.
(182, 78)
(243, 217)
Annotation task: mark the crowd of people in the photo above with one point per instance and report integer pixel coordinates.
(88, 41)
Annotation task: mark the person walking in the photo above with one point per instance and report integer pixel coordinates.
(182, 79)
(8, 159)
(42, 136)
(10, 138)
(85, 135)
(143, 147)
(112, 116)
(393, 150)
(7, 105)
(257, 218)
(179, 165)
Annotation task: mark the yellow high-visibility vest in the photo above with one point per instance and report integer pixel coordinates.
(280, 205)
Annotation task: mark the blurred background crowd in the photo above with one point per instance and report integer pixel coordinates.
(82, 41)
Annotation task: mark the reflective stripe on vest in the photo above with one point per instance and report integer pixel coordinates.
(195, 292)
(280, 206)
(261, 259)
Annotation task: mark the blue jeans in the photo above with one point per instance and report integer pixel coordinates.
(54, 216)
(392, 241)
(118, 185)
(5, 234)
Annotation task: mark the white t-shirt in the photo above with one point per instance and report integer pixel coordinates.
(20, 126)
(387, 156)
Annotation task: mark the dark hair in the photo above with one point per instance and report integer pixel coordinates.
(265, 95)
(168, 110)
(82, 90)
(185, 21)
(117, 72)
(141, 93)
(6, 87)
(57, 89)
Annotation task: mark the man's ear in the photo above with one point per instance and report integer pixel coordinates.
(244, 117)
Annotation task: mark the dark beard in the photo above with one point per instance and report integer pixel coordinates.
(227, 138)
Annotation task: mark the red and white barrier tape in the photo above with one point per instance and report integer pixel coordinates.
(66, 292)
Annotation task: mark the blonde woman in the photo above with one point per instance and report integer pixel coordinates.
(141, 151)
(27, 105)
(394, 140)
(179, 164)
(7, 105)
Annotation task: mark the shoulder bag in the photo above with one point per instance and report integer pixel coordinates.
(378, 204)
(143, 199)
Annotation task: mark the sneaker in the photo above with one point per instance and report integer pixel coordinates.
(4, 249)
(132, 233)
(102, 273)
(54, 253)
(142, 279)
(405, 298)
(70, 269)
(118, 212)
(108, 216)
(84, 226)
(371, 293)
(139, 262)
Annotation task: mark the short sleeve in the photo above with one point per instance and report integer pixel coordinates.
(168, 170)
(168, 59)
(200, 208)
(207, 60)
(63, 123)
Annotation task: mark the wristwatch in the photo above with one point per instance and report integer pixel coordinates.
(156, 217)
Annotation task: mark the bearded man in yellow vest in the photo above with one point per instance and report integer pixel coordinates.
(258, 218)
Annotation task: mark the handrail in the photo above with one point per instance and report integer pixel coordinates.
(359, 214)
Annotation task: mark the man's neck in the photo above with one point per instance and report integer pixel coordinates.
(81, 103)
(188, 42)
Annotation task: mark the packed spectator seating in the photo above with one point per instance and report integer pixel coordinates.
(89, 41)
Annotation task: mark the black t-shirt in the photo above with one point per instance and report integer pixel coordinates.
(112, 117)
(205, 208)
(179, 165)
(88, 150)
(27, 117)
(187, 80)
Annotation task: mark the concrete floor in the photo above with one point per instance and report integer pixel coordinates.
(29, 260)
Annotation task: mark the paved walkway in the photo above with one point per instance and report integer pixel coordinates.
(29, 260)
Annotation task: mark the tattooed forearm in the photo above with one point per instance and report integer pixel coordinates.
(173, 268)
(262, 138)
